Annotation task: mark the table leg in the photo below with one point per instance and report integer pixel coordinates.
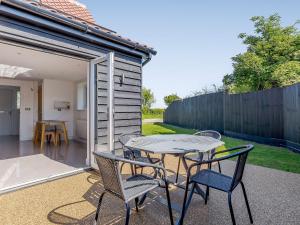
(43, 136)
(65, 133)
(197, 187)
(36, 133)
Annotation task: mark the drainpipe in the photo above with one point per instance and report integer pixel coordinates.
(148, 59)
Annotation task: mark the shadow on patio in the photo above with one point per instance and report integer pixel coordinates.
(268, 191)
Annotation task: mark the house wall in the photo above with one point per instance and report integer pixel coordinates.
(127, 99)
(28, 106)
(58, 90)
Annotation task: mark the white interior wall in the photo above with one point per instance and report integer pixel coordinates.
(28, 107)
(58, 90)
(80, 113)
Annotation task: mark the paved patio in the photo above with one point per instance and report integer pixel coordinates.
(273, 195)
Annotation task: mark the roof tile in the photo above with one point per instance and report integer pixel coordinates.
(71, 7)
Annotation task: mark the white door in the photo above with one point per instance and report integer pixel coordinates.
(6, 109)
(101, 86)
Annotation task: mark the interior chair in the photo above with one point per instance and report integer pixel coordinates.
(130, 189)
(58, 134)
(218, 181)
(49, 134)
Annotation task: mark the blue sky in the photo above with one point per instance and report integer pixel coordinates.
(195, 39)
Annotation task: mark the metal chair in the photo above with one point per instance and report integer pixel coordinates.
(132, 154)
(198, 157)
(212, 179)
(207, 133)
(132, 188)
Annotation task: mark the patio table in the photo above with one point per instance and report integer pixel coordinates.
(175, 144)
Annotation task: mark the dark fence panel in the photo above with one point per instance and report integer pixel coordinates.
(200, 112)
(291, 103)
(270, 116)
(257, 113)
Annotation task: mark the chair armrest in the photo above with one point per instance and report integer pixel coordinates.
(246, 147)
(134, 162)
(143, 164)
(229, 150)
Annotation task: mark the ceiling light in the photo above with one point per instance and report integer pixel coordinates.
(12, 71)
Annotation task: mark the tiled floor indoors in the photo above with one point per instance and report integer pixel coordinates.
(22, 162)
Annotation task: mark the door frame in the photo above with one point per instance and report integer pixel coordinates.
(91, 105)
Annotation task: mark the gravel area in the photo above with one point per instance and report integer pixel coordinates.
(273, 195)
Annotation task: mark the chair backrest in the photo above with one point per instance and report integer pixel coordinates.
(209, 133)
(124, 138)
(110, 173)
(240, 164)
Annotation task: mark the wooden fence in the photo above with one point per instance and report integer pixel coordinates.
(270, 116)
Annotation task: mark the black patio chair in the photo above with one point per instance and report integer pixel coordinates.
(198, 157)
(133, 187)
(213, 179)
(132, 154)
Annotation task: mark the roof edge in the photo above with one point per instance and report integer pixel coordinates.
(82, 26)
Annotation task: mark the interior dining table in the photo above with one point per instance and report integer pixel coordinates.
(43, 124)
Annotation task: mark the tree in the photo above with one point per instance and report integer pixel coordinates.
(171, 98)
(272, 58)
(148, 99)
(208, 90)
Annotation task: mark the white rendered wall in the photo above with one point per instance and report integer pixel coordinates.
(58, 90)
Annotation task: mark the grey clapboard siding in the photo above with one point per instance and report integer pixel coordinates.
(271, 116)
(127, 97)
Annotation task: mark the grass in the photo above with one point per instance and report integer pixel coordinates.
(152, 116)
(263, 155)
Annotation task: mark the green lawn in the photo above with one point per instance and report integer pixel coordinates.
(262, 155)
(152, 116)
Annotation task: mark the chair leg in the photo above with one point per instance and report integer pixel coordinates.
(136, 200)
(169, 204)
(206, 194)
(127, 213)
(186, 203)
(98, 207)
(178, 167)
(247, 203)
(219, 165)
(143, 198)
(231, 209)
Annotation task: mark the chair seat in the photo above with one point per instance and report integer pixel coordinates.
(138, 185)
(212, 179)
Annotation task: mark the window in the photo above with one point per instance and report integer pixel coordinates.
(81, 96)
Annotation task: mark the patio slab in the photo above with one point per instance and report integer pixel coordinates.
(273, 195)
